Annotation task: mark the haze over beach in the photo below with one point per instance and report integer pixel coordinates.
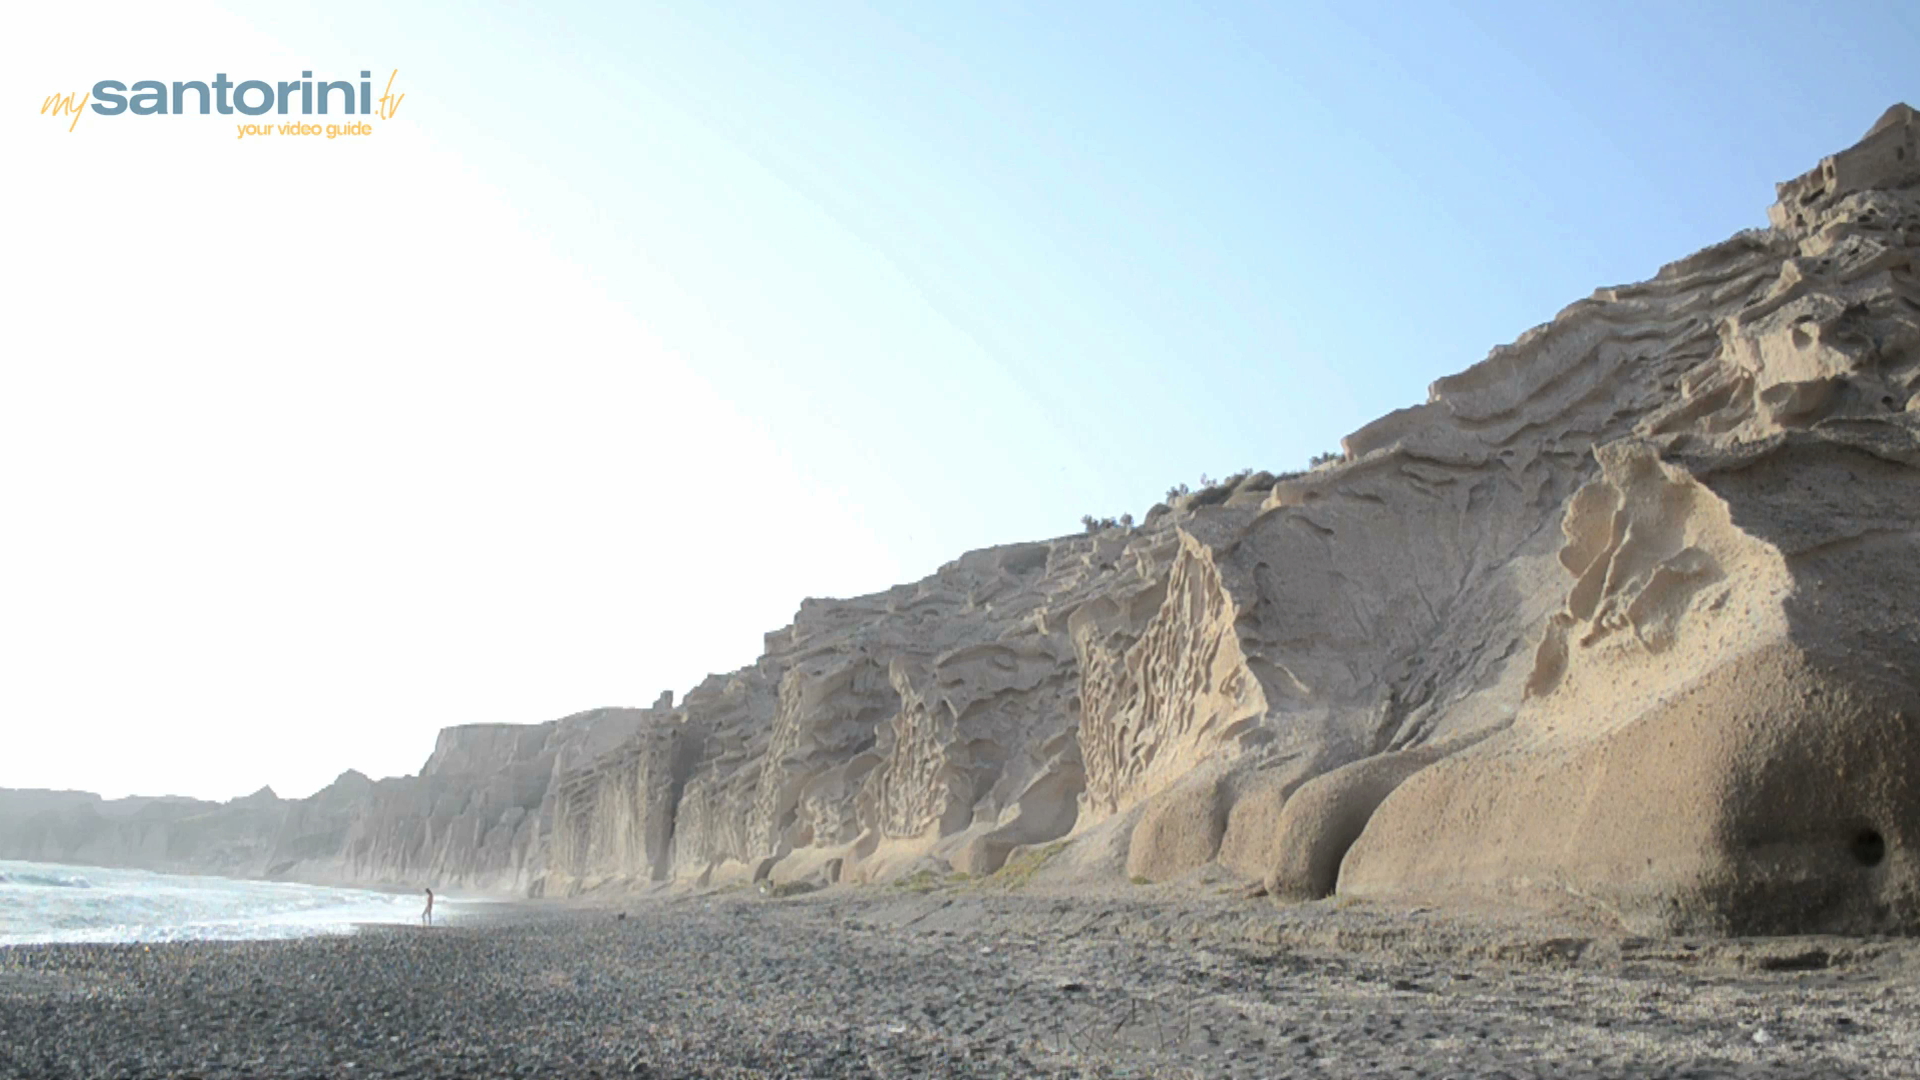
(637, 325)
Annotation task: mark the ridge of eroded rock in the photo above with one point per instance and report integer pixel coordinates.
(1622, 616)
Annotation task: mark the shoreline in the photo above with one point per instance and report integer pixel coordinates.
(76, 903)
(386, 888)
(964, 981)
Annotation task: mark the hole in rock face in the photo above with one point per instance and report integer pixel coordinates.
(1868, 847)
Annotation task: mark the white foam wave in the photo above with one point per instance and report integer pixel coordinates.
(44, 903)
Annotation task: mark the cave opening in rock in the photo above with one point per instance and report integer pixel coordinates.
(1868, 847)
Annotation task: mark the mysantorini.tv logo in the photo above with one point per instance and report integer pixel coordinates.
(254, 97)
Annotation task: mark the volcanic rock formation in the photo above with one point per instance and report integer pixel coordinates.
(475, 817)
(1721, 729)
(1623, 617)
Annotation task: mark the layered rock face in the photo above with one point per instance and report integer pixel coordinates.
(475, 818)
(1721, 729)
(1622, 617)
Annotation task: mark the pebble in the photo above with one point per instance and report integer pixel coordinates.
(741, 987)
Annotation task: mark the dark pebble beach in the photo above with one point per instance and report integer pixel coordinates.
(954, 983)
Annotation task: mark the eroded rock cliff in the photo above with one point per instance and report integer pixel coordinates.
(478, 816)
(475, 818)
(1622, 616)
(1721, 728)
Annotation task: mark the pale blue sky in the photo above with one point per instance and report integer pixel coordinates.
(644, 321)
(990, 266)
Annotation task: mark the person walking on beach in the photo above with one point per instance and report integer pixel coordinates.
(426, 917)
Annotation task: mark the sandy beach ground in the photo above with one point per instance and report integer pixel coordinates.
(959, 980)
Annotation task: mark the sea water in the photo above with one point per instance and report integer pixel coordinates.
(47, 902)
